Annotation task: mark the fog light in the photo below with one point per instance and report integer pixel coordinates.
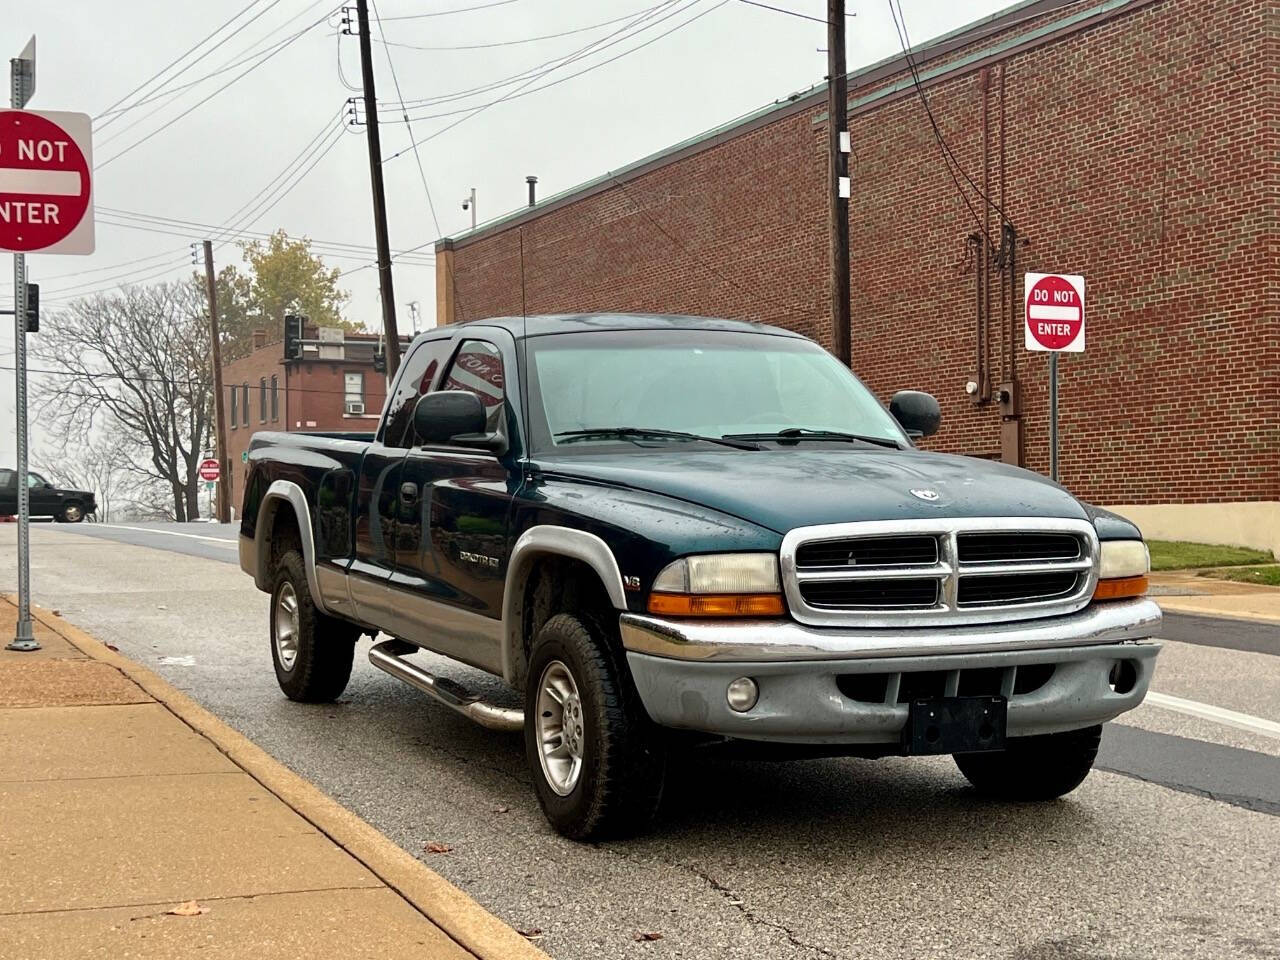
(742, 694)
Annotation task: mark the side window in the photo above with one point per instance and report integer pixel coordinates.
(478, 369)
(34, 480)
(7, 478)
(417, 373)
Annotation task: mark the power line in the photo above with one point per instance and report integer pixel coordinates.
(790, 13)
(519, 90)
(447, 13)
(514, 43)
(178, 60)
(262, 59)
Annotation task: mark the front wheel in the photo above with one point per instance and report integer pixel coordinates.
(594, 755)
(71, 513)
(312, 653)
(1033, 768)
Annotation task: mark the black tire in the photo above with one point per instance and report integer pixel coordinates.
(323, 649)
(71, 513)
(622, 761)
(1033, 768)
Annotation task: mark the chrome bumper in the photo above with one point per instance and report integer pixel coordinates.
(682, 669)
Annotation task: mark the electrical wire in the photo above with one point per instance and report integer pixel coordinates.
(448, 13)
(177, 60)
(790, 13)
(514, 43)
(519, 91)
(263, 59)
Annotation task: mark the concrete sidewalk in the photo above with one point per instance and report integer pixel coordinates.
(1184, 591)
(134, 823)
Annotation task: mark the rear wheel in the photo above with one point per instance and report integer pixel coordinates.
(71, 513)
(312, 653)
(593, 752)
(1033, 768)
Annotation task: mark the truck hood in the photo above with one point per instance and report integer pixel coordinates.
(797, 487)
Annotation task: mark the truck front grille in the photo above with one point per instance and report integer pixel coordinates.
(919, 572)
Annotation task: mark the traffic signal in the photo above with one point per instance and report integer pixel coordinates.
(292, 336)
(380, 362)
(33, 308)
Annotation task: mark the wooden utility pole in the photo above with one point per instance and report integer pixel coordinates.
(219, 401)
(379, 193)
(838, 130)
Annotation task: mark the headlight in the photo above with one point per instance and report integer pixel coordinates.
(1122, 570)
(719, 585)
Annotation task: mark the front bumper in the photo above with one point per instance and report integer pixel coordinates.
(822, 685)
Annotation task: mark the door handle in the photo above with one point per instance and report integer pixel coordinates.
(408, 493)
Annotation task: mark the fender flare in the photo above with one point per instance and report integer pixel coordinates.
(544, 540)
(280, 492)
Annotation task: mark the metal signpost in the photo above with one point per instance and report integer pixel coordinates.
(46, 206)
(1054, 323)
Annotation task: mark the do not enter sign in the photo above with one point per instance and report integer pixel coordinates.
(46, 189)
(209, 470)
(1055, 312)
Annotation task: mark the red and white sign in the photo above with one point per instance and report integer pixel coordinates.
(1055, 312)
(210, 471)
(46, 182)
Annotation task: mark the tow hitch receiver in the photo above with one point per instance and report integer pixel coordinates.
(955, 725)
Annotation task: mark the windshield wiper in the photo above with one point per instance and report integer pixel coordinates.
(805, 433)
(653, 433)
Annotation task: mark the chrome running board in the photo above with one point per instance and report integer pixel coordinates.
(388, 656)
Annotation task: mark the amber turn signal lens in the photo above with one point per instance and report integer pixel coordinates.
(716, 604)
(1120, 588)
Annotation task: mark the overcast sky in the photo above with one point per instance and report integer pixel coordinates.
(723, 58)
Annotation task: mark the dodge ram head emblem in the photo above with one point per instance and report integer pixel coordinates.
(927, 495)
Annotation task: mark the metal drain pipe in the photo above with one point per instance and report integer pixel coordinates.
(385, 657)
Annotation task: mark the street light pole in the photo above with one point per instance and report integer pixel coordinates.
(219, 401)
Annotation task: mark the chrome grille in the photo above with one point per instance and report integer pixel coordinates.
(918, 572)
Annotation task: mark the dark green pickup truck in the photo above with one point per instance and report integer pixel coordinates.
(680, 533)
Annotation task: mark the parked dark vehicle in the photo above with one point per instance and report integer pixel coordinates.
(673, 532)
(66, 506)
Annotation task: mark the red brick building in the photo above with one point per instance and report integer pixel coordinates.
(331, 386)
(1136, 142)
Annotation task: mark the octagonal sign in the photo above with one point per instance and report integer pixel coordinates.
(46, 182)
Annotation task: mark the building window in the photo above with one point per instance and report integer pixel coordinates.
(262, 399)
(244, 404)
(234, 407)
(353, 393)
(275, 398)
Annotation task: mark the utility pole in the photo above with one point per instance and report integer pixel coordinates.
(22, 82)
(838, 150)
(219, 401)
(379, 192)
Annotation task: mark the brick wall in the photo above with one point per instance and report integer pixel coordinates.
(1139, 149)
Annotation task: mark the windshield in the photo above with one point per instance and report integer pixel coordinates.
(698, 382)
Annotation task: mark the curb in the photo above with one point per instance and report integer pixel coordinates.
(454, 912)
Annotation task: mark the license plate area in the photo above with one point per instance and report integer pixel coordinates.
(955, 725)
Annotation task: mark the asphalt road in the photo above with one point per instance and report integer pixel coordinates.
(1170, 849)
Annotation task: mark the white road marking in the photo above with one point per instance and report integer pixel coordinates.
(167, 533)
(1205, 711)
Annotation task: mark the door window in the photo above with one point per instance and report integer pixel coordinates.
(477, 368)
(34, 480)
(417, 374)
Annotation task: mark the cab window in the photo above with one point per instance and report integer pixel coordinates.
(477, 368)
(34, 480)
(417, 373)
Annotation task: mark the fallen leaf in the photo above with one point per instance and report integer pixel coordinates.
(643, 937)
(533, 933)
(161, 606)
(188, 909)
(501, 809)
(438, 848)
(112, 646)
(57, 613)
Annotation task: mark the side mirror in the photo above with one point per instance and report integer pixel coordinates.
(454, 417)
(917, 413)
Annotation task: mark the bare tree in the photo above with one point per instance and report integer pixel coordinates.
(104, 466)
(134, 365)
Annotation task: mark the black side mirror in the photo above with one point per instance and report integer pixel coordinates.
(454, 417)
(918, 413)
